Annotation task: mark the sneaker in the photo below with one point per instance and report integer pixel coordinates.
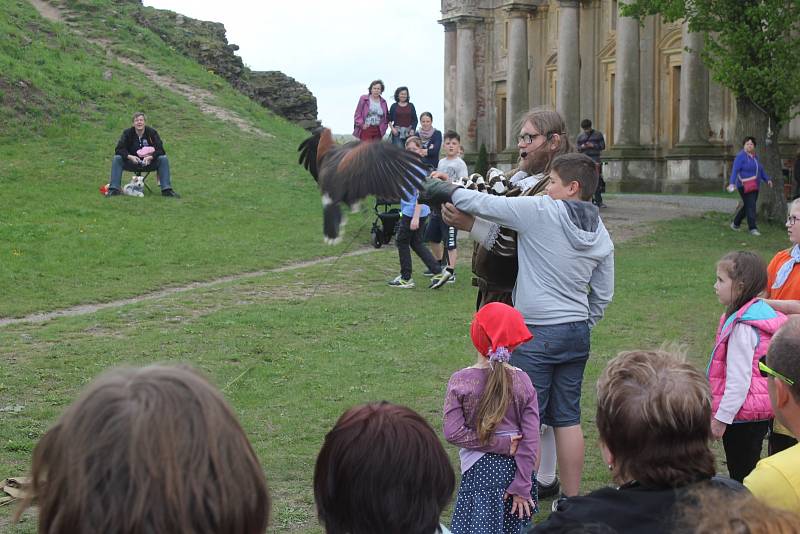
(735, 228)
(399, 282)
(549, 490)
(556, 502)
(169, 193)
(113, 192)
(755, 232)
(452, 279)
(441, 279)
(428, 273)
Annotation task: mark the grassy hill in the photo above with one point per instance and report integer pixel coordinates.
(66, 92)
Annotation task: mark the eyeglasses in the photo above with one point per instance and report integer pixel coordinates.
(766, 371)
(791, 220)
(527, 139)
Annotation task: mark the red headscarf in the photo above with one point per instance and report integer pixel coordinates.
(498, 326)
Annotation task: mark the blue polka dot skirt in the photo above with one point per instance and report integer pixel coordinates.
(480, 508)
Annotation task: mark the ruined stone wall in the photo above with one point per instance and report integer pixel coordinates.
(205, 42)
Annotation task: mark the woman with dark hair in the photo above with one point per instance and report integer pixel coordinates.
(402, 117)
(746, 176)
(371, 118)
(382, 469)
(431, 140)
(156, 449)
(654, 421)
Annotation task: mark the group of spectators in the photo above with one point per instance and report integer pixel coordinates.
(418, 224)
(158, 449)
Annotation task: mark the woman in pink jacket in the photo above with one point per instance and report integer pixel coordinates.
(371, 118)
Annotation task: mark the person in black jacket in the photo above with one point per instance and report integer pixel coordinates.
(592, 143)
(132, 154)
(654, 422)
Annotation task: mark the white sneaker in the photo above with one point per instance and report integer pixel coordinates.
(441, 279)
(755, 232)
(734, 227)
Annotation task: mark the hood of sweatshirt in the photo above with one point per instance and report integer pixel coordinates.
(581, 222)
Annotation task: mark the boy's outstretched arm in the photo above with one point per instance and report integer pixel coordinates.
(504, 211)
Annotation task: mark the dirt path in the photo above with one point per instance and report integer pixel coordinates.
(84, 309)
(200, 97)
(48, 11)
(627, 216)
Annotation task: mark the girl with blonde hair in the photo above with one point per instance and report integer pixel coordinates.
(491, 411)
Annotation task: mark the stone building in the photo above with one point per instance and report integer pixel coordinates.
(668, 127)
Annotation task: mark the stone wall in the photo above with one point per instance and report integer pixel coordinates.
(205, 42)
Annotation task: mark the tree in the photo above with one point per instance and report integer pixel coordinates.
(482, 163)
(752, 47)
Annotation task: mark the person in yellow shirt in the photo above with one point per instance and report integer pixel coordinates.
(776, 479)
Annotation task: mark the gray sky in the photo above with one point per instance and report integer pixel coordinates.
(337, 47)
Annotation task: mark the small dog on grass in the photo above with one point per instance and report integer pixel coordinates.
(135, 188)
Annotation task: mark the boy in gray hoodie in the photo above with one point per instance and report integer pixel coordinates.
(564, 283)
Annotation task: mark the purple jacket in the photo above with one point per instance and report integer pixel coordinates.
(745, 166)
(461, 407)
(362, 110)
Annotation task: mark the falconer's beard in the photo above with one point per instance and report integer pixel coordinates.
(536, 160)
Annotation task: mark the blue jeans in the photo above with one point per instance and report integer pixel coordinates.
(160, 165)
(554, 360)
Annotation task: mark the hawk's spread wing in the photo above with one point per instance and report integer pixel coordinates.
(360, 169)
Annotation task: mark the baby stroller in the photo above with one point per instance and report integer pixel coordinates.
(386, 222)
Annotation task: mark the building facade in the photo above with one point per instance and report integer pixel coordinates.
(668, 127)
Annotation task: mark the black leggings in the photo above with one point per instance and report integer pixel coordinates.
(742, 443)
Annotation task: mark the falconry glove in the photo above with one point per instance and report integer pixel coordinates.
(436, 192)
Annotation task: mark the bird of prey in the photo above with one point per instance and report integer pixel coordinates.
(347, 173)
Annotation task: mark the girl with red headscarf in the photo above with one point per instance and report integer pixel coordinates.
(491, 411)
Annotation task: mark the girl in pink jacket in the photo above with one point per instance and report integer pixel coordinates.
(740, 400)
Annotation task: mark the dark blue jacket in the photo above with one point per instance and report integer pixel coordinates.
(414, 120)
(594, 137)
(433, 145)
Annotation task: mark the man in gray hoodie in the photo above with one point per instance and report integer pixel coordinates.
(564, 283)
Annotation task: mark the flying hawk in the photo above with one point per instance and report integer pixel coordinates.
(347, 173)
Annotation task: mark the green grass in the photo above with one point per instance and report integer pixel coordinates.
(292, 350)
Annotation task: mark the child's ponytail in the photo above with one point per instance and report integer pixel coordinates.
(494, 401)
